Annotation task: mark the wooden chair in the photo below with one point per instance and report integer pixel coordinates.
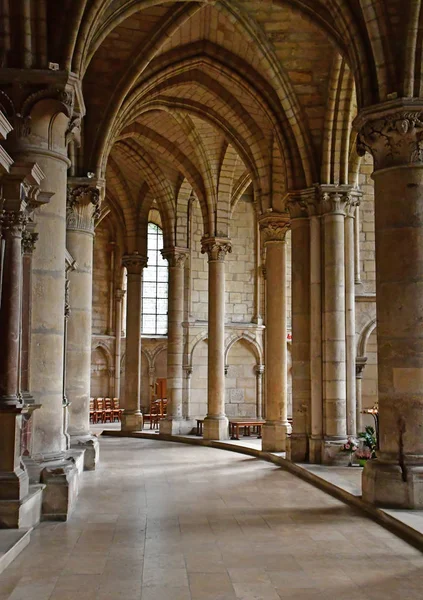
(116, 410)
(99, 410)
(93, 414)
(108, 410)
(155, 414)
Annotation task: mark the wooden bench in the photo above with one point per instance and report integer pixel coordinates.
(236, 424)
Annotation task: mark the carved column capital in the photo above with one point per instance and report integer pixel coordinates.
(120, 294)
(216, 248)
(259, 370)
(274, 227)
(29, 239)
(298, 202)
(134, 263)
(82, 207)
(337, 199)
(175, 256)
(360, 363)
(392, 132)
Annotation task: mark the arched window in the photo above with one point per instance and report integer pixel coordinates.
(154, 288)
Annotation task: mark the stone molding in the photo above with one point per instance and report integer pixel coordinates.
(274, 227)
(216, 248)
(134, 263)
(82, 208)
(176, 257)
(392, 132)
(120, 294)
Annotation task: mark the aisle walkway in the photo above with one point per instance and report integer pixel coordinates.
(162, 521)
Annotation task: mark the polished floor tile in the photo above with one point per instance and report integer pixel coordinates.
(164, 521)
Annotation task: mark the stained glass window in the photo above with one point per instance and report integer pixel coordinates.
(154, 287)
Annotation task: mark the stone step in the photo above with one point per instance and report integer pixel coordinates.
(12, 542)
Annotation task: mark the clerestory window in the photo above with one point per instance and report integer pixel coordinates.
(155, 286)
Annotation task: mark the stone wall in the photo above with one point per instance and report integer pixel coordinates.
(241, 398)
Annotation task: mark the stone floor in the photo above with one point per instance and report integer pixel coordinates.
(163, 521)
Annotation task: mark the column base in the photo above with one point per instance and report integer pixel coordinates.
(387, 485)
(275, 436)
(132, 422)
(175, 426)
(91, 445)
(61, 490)
(216, 428)
(24, 513)
(315, 452)
(298, 448)
(332, 452)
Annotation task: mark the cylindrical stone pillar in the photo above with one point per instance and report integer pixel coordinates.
(45, 144)
(216, 423)
(259, 390)
(334, 201)
(12, 224)
(360, 363)
(131, 399)
(120, 294)
(301, 385)
(350, 350)
(14, 482)
(276, 428)
(392, 132)
(174, 423)
(83, 205)
(316, 359)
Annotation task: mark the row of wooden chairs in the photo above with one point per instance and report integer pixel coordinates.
(105, 410)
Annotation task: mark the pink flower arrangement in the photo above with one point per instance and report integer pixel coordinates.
(364, 454)
(350, 446)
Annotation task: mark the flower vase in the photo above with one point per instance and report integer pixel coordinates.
(350, 463)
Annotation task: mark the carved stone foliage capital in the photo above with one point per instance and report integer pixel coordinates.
(216, 248)
(134, 263)
(120, 294)
(274, 228)
(82, 208)
(360, 363)
(299, 202)
(13, 221)
(176, 257)
(29, 239)
(337, 200)
(259, 370)
(392, 133)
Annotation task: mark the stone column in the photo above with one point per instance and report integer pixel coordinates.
(259, 390)
(301, 385)
(83, 206)
(393, 133)
(119, 296)
(360, 363)
(131, 400)
(316, 359)
(333, 205)
(276, 429)
(174, 423)
(29, 239)
(216, 425)
(350, 348)
(14, 481)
